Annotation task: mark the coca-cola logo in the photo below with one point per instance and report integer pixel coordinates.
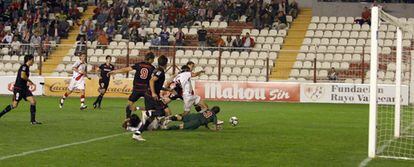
(10, 87)
(121, 87)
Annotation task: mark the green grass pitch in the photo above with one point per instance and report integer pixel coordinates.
(269, 134)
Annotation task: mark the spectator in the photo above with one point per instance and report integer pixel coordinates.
(281, 21)
(248, 42)
(238, 42)
(46, 47)
(134, 34)
(8, 38)
(26, 40)
(220, 42)
(15, 46)
(156, 41)
(103, 39)
(202, 33)
(283, 6)
(82, 31)
(228, 41)
(365, 17)
(332, 75)
(110, 31)
(165, 35)
(81, 47)
(21, 25)
(143, 35)
(35, 42)
(124, 28)
(144, 20)
(294, 9)
(179, 37)
(63, 29)
(54, 33)
(211, 40)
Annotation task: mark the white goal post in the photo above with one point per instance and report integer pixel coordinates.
(391, 127)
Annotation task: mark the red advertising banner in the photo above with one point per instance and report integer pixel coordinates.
(248, 91)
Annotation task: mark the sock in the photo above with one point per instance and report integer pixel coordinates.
(100, 97)
(128, 111)
(63, 98)
(82, 100)
(33, 113)
(149, 113)
(6, 110)
(156, 113)
(97, 100)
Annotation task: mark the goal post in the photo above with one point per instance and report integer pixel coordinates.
(391, 123)
(373, 84)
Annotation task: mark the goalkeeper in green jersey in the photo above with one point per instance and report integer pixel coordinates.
(195, 120)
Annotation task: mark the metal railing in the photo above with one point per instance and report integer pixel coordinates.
(127, 55)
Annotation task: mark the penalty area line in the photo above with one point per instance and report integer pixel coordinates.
(60, 146)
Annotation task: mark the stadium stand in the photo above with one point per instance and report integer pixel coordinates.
(33, 27)
(341, 43)
(127, 41)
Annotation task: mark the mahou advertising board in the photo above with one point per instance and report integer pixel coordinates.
(248, 91)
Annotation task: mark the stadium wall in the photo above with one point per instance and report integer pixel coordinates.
(230, 91)
(355, 9)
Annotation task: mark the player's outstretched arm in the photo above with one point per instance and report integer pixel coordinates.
(196, 74)
(122, 70)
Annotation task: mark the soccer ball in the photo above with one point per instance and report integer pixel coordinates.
(234, 121)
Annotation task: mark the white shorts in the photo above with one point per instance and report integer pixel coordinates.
(74, 84)
(190, 100)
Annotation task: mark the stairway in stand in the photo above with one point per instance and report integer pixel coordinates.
(291, 46)
(57, 55)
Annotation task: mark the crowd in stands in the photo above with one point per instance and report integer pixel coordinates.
(24, 22)
(121, 17)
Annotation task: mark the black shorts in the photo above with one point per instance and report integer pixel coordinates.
(19, 94)
(135, 95)
(152, 104)
(103, 84)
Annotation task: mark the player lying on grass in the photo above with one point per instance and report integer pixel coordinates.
(21, 90)
(77, 81)
(195, 120)
(104, 69)
(190, 122)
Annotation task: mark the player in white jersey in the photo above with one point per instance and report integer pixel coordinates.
(77, 81)
(183, 80)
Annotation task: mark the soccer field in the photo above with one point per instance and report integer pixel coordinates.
(269, 134)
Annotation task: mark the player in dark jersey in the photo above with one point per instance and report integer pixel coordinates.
(21, 90)
(154, 106)
(195, 120)
(103, 80)
(142, 76)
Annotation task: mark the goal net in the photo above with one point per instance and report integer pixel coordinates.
(391, 120)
